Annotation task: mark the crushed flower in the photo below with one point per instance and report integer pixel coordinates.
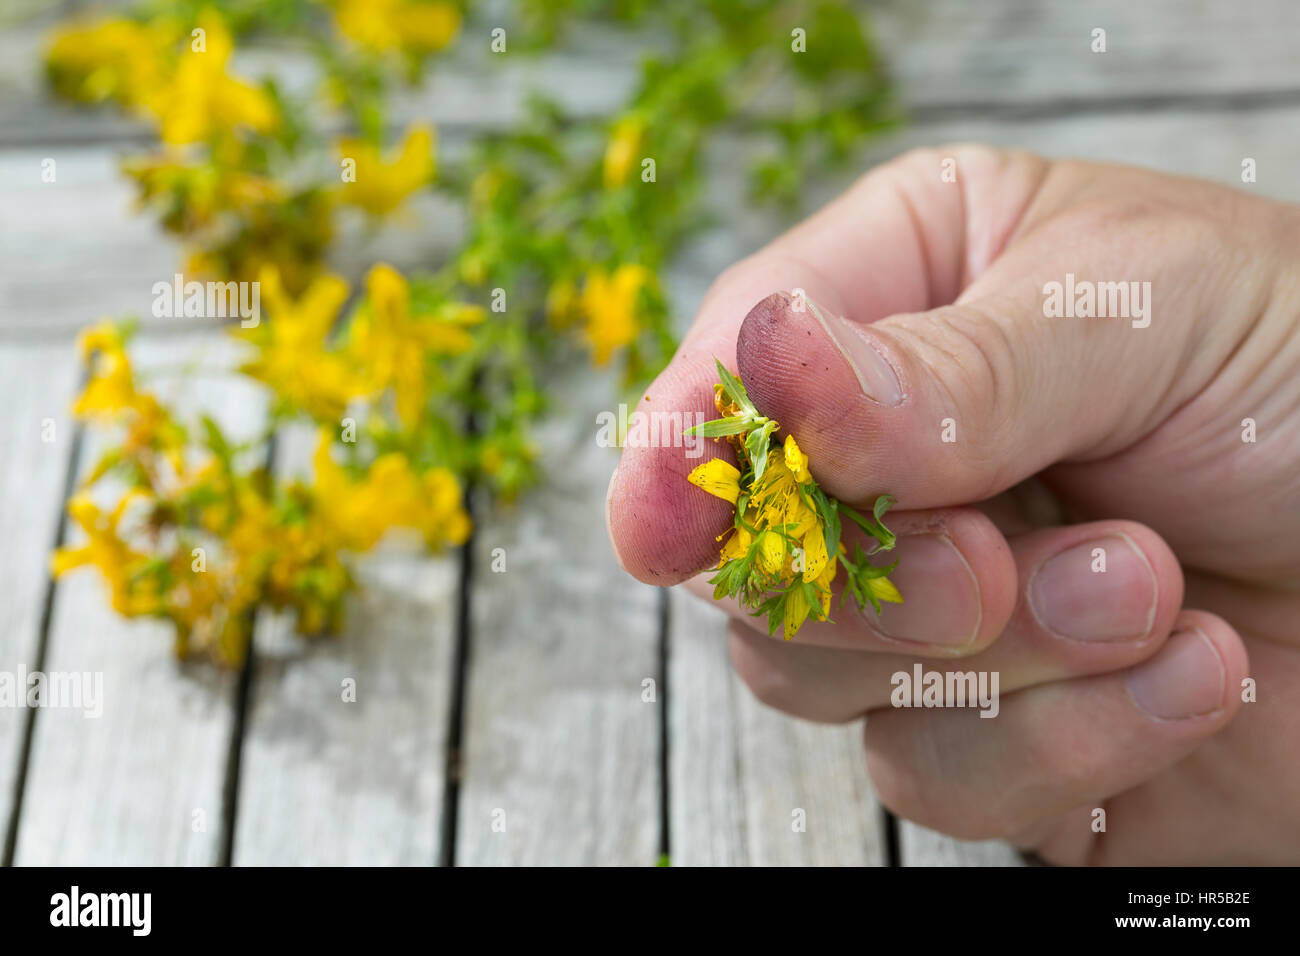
(781, 557)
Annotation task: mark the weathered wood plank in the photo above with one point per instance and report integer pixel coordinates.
(921, 847)
(560, 747)
(141, 784)
(77, 249)
(1026, 51)
(325, 781)
(943, 53)
(749, 786)
(37, 383)
(74, 249)
(64, 274)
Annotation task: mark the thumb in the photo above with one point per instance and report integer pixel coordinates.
(958, 403)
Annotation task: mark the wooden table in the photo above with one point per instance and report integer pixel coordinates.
(516, 697)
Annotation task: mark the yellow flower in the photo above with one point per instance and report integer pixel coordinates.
(796, 461)
(814, 552)
(771, 551)
(194, 194)
(797, 609)
(110, 394)
(779, 502)
(620, 153)
(737, 545)
(393, 346)
(382, 184)
(390, 495)
(824, 581)
(108, 553)
(201, 99)
(386, 26)
(111, 386)
(562, 304)
(777, 560)
(884, 590)
(292, 353)
(718, 477)
(610, 303)
(118, 60)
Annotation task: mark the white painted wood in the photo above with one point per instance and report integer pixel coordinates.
(946, 52)
(324, 781)
(748, 785)
(558, 737)
(141, 784)
(921, 847)
(75, 250)
(942, 53)
(707, 809)
(37, 383)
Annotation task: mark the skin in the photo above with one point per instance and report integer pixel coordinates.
(1119, 690)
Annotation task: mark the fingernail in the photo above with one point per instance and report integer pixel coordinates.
(1072, 596)
(941, 597)
(874, 373)
(1184, 680)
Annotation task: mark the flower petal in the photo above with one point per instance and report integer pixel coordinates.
(719, 478)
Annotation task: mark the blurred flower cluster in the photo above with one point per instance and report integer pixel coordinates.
(426, 381)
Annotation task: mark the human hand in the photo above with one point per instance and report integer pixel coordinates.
(1121, 690)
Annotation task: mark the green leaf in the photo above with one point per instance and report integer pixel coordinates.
(734, 388)
(883, 504)
(874, 526)
(721, 427)
(756, 445)
(828, 508)
(216, 439)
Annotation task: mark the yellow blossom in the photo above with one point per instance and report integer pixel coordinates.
(738, 544)
(195, 193)
(781, 557)
(118, 60)
(110, 394)
(718, 477)
(381, 184)
(884, 590)
(797, 609)
(390, 495)
(292, 353)
(796, 461)
(393, 346)
(771, 551)
(106, 550)
(387, 26)
(620, 153)
(201, 99)
(562, 304)
(610, 304)
(814, 552)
